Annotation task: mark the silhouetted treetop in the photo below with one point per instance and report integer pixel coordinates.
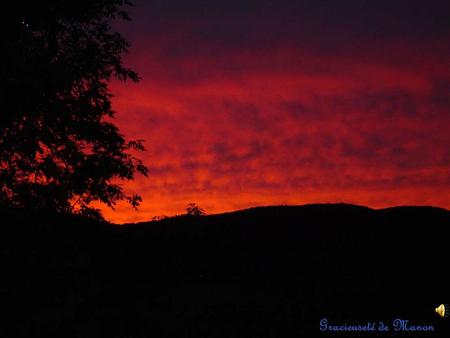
(58, 146)
(193, 209)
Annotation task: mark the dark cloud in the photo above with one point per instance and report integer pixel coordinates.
(240, 23)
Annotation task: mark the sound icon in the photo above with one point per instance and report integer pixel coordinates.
(442, 310)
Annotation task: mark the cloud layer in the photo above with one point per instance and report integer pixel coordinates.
(251, 105)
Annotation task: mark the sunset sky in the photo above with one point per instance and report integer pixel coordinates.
(246, 103)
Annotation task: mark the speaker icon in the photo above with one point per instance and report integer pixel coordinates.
(442, 310)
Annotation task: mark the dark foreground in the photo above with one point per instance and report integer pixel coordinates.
(263, 272)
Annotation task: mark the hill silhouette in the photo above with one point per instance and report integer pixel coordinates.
(260, 272)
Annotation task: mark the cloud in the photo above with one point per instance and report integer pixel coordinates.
(236, 116)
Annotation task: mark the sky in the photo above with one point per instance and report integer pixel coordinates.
(247, 103)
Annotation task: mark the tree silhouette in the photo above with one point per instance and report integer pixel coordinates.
(193, 209)
(58, 146)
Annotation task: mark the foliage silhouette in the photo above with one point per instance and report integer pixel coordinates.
(58, 147)
(193, 209)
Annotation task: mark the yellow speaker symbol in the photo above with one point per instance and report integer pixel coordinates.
(442, 310)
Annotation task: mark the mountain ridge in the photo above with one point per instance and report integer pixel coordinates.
(302, 207)
(260, 272)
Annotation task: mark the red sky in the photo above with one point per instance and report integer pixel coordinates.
(257, 105)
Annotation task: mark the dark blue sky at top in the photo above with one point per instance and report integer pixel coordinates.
(374, 18)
